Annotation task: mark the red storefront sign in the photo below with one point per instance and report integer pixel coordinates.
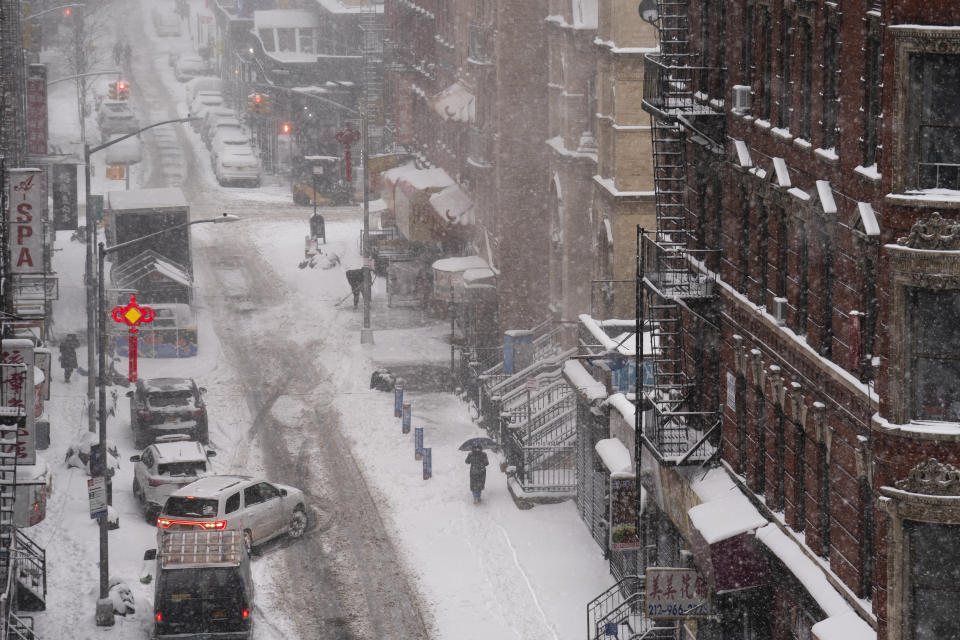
(17, 391)
(37, 110)
(27, 198)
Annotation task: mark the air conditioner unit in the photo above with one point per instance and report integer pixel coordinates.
(780, 310)
(741, 98)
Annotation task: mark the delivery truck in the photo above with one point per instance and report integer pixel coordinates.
(137, 213)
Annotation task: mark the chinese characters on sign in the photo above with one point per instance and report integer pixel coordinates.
(17, 391)
(26, 196)
(37, 110)
(63, 179)
(675, 593)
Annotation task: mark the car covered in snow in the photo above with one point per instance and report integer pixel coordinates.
(162, 406)
(261, 510)
(188, 67)
(173, 461)
(238, 167)
(204, 100)
(116, 117)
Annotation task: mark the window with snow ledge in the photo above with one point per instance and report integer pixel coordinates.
(926, 111)
(924, 371)
(923, 552)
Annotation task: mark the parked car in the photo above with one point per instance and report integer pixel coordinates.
(116, 117)
(188, 67)
(261, 510)
(228, 142)
(173, 461)
(238, 166)
(161, 406)
(204, 83)
(228, 126)
(204, 100)
(213, 114)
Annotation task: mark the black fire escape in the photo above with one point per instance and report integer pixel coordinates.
(679, 290)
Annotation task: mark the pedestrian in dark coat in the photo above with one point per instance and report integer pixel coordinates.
(478, 462)
(68, 355)
(355, 279)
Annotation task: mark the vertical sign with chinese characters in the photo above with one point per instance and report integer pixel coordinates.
(26, 197)
(63, 183)
(37, 109)
(16, 390)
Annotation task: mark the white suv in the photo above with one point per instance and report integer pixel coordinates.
(173, 461)
(261, 510)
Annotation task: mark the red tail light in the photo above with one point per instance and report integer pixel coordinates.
(155, 483)
(159, 617)
(143, 415)
(166, 523)
(246, 613)
(198, 413)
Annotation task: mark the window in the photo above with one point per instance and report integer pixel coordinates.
(764, 239)
(826, 348)
(934, 576)
(800, 478)
(766, 42)
(804, 281)
(785, 55)
(934, 114)
(741, 395)
(778, 493)
(746, 46)
(233, 503)
(782, 248)
(831, 57)
(935, 364)
(266, 37)
(760, 477)
(251, 495)
(806, 79)
(286, 39)
(824, 474)
(744, 243)
(268, 491)
(306, 37)
(871, 114)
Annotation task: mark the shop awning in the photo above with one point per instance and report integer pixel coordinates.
(721, 535)
(456, 103)
(453, 205)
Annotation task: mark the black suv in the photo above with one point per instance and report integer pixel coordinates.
(161, 406)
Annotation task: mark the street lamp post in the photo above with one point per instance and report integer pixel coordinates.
(88, 270)
(104, 606)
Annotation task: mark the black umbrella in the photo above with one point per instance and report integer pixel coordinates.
(483, 443)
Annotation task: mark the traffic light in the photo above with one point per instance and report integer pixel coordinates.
(264, 103)
(122, 90)
(258, 103)
(67, 12)
(285, 127)
(114, 92)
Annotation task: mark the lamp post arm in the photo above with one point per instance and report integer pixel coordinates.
(84, 75)
(226, 217)
(138, 132)
(34, 16)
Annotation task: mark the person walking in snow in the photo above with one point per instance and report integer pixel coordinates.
(68, 355)
(478, 462)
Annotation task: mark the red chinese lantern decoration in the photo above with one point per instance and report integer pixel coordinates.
(132, 314)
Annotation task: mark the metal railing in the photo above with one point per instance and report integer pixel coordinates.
(622, 605)
(31, 565)
(677, 272)
(670, 91)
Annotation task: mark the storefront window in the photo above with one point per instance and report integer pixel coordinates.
(286, 39)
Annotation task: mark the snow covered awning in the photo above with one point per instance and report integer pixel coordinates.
(284, 19)
(721, 528)
(456, 103)
(615, 457)
(449, 276)
(453, 205)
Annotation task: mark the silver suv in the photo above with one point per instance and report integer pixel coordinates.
(261, 510)
(172, 462)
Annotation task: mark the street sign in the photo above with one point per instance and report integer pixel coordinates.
(97, 494)
(532, 384)
(117, 172)
(675, 593)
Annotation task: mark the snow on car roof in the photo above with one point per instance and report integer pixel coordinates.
(146, 198)
(168, 384)
(210, 486)
(181, 451)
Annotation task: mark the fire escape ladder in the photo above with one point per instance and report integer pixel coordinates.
(9, 420)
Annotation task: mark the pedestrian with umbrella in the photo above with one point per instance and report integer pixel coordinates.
(478, 462)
